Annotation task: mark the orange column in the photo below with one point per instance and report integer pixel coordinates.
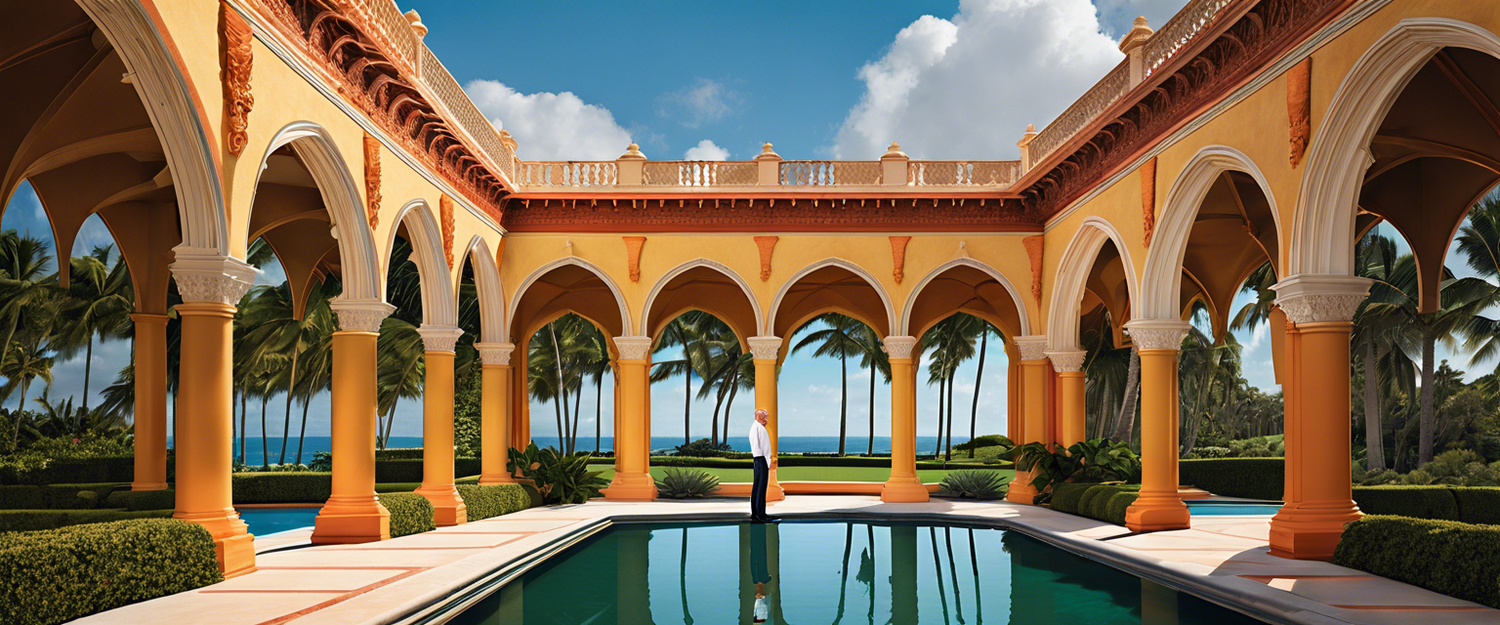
(1035, 369)
(150, 402)
(437, 426)
(494, 412)
(903, 485)
(633, 481)
(1318, 495)
(1012, 392)
(210, 288)
(1069, 366)
(352, 513)
(1159, 506)
(765, 350)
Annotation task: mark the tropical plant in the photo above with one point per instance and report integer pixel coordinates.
(98, 302)
(679, 483)
(836, 338)
(1105, 459)
(682, 334)
(872, 356)
(948, 344)
(702, 448)
(560, 478)
(974, 484)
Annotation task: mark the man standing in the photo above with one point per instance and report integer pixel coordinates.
(760, 448)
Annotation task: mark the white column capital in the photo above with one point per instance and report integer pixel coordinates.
(1311, 298)
(440, 338)
(1157, 333)
(360, 315)
(764, 347)
(1033, 347)
(1067, 360)
(899, 346)
(633, 347)
(211, 278)
(495, 353)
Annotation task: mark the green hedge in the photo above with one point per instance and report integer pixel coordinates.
(57, 496)
(410, 469)
(795, 461)
(398, 453)
(74, 470)
(34, 520)
(1105, 502)
(484, 502)
(142, 499)
(60, 575)
(1457, 559)
(1478, 504)
(1420, 502)
(410, 513)
(1251, 478)
(282, 487)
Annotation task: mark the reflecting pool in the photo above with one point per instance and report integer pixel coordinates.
(830, 572)
(267, 521)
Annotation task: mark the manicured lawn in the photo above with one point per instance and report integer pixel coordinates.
(814, 474)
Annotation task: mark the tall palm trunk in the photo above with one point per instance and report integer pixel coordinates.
(843, 400)
(88, 368)
(1424, 433)
(286, 427)
(942, 385)
(687, 401)
(984, 341)
(389, 420)
(1374, 440)
(244, 412)
(562, 390)
(302, 434)
(15, 436)
(1125, 421)
(713, 430)
(870, 450)
(577, 405)
(598, 409)
(734, 389)
(948, 447)
(265, 447)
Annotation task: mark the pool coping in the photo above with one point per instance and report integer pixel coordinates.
(1232, 592)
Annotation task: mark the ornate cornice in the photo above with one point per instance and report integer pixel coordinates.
(633, 347)
(1311, 298)
(1032, 347)
(765, 347)
(234, 65)
(361, 315)
(495, 353)
(372, 181)
(899, 346)
(440, 338)
(1067, 360)
(1157, 333)
(742, 214)
(211, 278)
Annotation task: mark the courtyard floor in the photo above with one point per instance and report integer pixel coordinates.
(1222, 558)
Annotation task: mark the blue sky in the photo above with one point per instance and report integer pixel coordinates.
(820, 80)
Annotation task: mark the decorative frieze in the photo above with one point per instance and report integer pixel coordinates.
(361, 315)
(440, 338)
(765, 347)
(235, 37)
(495, 353)
(1157, 333)
(633, 347)
(1032, 347)
(899, 346)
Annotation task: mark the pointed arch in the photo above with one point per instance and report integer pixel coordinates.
(1023, 321)
(885, 325)
(490, 290)
(744, 333)
(568, 261)
(1072, 278)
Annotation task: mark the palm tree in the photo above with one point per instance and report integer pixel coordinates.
(985, 330)
(402, 369)
(1208, 372)
(24, 283)
(836, 340)
(682, 333)
(100, 300)
(1374, 257)
(873, 357)
(24, 362)
(951, 342)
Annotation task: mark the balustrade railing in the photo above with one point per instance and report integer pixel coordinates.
(1104, 93)
(829, 173)
(468, 117)
(569, 174)
(699, 173)
(1179, 30)
(962, 173)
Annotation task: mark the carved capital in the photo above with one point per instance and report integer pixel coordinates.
(211, 278)
(633, 347)
(1157, 333)
(1312, 298)
(1067, 360)
(765, 347)
(361, 315)
(440, 338)
(1032, 347)
(899, 346)
(234, 63)
(495, 353)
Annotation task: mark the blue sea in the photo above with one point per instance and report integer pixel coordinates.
(661, 444)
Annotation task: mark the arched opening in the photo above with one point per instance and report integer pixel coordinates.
(1112, 368)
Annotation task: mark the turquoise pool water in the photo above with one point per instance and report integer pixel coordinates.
(834, 572)
(1212, 509)
(267, 521)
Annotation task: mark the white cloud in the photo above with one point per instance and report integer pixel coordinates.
(706, 151)
(705, 101)
(967, 87)
(551, 126)
(1116, 16)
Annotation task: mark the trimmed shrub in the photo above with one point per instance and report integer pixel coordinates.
(60, 575)
(1478, 504)
(33, 520)
(1421, 502)
(1251, 478)
(987, 440)
(484, 502)
(1087, 498)
(975, 484)
(142, 500)
(686, 483)
(1457, 559)
(410, 513)
(410, 469)
(1066, 496)
(1105, 502)
(1114, 511)
(57, 496)
(289, 487)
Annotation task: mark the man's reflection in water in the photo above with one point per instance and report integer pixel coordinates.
(760, 571)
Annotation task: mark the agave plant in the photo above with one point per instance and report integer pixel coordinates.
(974, 484)
(686, 484)
(560, 478)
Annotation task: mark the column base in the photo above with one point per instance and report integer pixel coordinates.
(447, 506)
(351, 520)
(234, 547)
(631, 487)
(1157, 511)
(148, 486)
(903, 489)
(1311, 530)
(774, 492)
(1020, 489)
(491, 480)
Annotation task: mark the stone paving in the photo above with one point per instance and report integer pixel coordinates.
(1222, 558)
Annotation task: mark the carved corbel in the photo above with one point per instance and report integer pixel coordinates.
(767, 245)
(898, 257)
(1033, 247)
(1148, 200)
(372, 181)
(445, 213)
(1299, 108)
(633, 256)
(234, 65)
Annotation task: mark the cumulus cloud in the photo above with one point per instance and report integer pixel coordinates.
(706, 150)
(1116, 16)
(966, 87)
(551, 126)
(702, 102)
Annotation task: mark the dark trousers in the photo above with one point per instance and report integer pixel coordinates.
(758, 488)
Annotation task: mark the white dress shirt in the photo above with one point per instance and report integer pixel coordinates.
(760, 441)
